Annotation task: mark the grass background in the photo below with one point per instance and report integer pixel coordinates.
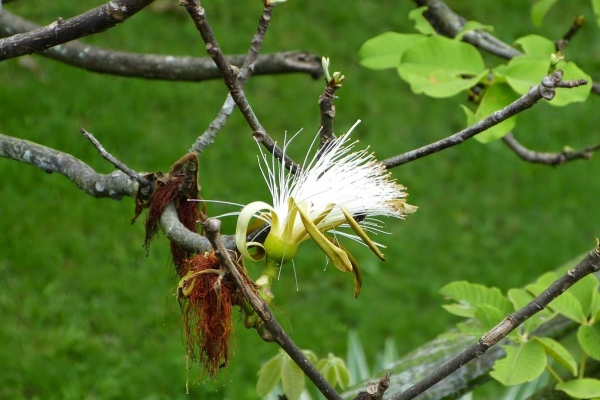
(85, 314)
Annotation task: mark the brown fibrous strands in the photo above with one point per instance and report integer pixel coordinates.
(207, 298)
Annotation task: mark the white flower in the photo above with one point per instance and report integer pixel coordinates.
(338, 186)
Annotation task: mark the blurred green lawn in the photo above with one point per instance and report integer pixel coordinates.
(85, 314)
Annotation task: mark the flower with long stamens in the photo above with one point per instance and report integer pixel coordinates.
(339, 187)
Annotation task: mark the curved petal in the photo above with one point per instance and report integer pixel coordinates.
(362, 234)
(356, 272)
(243, 222)
(338, 257)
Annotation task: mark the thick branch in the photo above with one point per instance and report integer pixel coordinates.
(61, 31)
(114, 185)
(590, 264)
(212, 227)
(198, 15)
(548, 158)
(158, 66)
(546, 89)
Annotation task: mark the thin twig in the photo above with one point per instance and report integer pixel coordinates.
(212, 227)
(196, 12)
(327, 115)
(546, 90)
(111, 159)
(375, 391)
(553, 159)
(577, 24)
(590, 264)
(61, 31)
(244, 73)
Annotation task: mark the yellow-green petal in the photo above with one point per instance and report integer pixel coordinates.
(356, 272)
(338, 257)
(362, 234)
(243, 222)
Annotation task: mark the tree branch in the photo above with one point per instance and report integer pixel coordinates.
(158, 66)
(114, 185)
(111, 159)
(61, 31)
(244, 74)
(212, 227)
(590, 264)
(553, 159)
(198, 15)
(546, 89)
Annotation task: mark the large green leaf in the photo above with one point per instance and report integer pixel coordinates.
(585, 291)
(269, 375)
(292, 379)
(441, 67)
(384, 51)
(537, 47)
(471, 295)
(589, 339)
(580, 388)
(566, 304)
(421, 23)
(496, 96)
(520, 298)
(522, 73)
(559, 353)
(489, 316)
(539, 10)
(523, 363)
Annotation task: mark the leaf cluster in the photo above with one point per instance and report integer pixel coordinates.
(441, 67)
(528, 355)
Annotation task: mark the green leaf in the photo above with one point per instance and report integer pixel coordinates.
(384, 51)
(589, 339)
(566, 304)
(312, 357)
(596, 7)
(547, 279)
(537, 47)
(559, 353)
(471, 26)
(292, 379)
(496, 97)
(580, 388)
(523, 363)
(441, 67)
(489, 316)
(269, 375)
(421, 23)
(520, 298)
(586, 291)
(334, 370)
(470, 295)
(522, 73)
(539, 10)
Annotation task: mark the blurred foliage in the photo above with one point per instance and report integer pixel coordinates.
(87, 315)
